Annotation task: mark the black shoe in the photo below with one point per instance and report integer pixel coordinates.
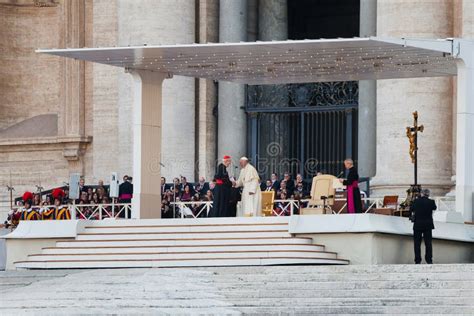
(429, 262)
(417, 262)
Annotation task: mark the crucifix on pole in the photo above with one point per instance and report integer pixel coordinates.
(412, 134)
(414, 191)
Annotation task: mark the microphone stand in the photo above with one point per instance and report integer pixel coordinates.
(10, 189)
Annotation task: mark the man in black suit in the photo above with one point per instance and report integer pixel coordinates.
(126, 194)
(423, 208)
(290, 184)
(275, 182)
(164, 186)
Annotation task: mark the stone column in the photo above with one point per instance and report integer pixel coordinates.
(273, 20)
(155, 22)
(367, 133)
(147, 126)
(71, 124)
(232, 121)
(252, 20)
(273, 25)
(397, 99)
(206, 123)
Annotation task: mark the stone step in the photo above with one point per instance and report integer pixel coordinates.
(355, 285)
(336, 293)
(209, 262)
(182, 309)
(185, 255)
(284, 301)
(185, 229)
(185, 248)
(335, 309)
(184, 235)
(183, 242)
(324, 277)
(234, 221)
(356, 269)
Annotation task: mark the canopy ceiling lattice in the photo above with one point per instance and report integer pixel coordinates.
(281, 62)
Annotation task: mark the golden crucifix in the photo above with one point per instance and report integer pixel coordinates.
(412, 134)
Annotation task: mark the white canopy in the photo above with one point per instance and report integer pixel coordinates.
(281, 62)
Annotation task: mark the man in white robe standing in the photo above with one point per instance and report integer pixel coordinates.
(251, 202)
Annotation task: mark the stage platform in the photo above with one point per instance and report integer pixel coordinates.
(295, 240)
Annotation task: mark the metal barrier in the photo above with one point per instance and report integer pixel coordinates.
(91, 211)
(289, 207)
(191, 209)
(100, 211)
(195, 209)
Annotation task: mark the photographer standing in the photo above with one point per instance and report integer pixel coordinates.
(423, 208)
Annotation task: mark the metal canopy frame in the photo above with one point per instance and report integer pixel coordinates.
(281, 62)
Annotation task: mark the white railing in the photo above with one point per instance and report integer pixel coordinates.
(288, 207)
(100, 211)
(91, 211)
(195, 209)
(191, 209)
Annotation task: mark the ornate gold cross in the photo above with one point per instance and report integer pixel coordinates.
(412, 134)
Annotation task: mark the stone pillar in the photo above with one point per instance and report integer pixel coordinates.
(273, 25)
(71, 124)
(465, 132)
(147, 126)
(206, 123)
(155, 22)
(232, 121)
(367, 133)
(397, 99)
(272, 20)
(252, 20)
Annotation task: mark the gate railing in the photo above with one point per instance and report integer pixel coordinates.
(289, 207)
(90, 211)
(195, 209)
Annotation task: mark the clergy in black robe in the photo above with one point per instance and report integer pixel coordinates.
(222, 190)
(235, 196)
(354, 203)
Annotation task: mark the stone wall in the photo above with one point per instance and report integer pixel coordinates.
(28, 82)
(397, 99)
(38, 91)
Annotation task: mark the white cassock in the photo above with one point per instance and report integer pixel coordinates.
(251, 205)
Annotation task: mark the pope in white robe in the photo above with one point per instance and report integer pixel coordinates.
(251, 202)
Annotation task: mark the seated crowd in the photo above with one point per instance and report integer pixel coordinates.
(183, 191)
(54, 205)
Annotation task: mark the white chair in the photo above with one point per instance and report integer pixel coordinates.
(323, 190)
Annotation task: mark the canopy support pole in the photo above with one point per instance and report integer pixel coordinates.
(465, 130)
(147, 124)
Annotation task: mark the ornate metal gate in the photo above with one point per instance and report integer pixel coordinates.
(302, 128)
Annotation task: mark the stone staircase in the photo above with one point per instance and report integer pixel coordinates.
(249, 290)
(182, 243)
(388, 289)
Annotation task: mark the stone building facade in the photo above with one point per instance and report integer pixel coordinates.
(59, 116)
